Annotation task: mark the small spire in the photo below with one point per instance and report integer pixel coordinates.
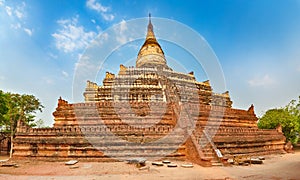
(150, 33)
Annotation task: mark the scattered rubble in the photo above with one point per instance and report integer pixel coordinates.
(245, 160)
(144, 168)
(172, 165)
(256, 161)
(166, 162)
(140, 162)
(10, 165)
(71, 162)
(157, 164)
(187, 165)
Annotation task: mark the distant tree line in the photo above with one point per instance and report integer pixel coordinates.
(15, 108)
(288, 117)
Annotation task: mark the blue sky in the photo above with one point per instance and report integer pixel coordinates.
(257, 43)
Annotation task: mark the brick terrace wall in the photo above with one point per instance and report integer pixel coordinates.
(75, 124)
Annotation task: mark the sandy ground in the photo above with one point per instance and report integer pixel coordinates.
(275, 167)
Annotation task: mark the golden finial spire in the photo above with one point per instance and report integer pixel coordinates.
(149, 18)
(151, 54)
(150, 33)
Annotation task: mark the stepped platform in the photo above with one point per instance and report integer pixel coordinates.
(148, 111)
(101, 135)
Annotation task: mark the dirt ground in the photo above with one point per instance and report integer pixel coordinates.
(285, 166)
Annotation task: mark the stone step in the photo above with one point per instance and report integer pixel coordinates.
(138, 148)
(143, 153)
(216, 164)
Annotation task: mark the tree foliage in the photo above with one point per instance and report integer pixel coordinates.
(20, 107)
(288, 117)
(3, 107)
(39, 124)
(14, 108)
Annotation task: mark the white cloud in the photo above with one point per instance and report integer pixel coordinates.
(85, 67)
(71, 36)
(103, 10)
(65, 74)
(104, 36)
(121, 36)
(99, 29)
(79, 56)
(15, 26)
(264, 81)
(20, 11)
(48, 80)
(100, 40)
(19, 14)
(28, 31)
(93, 21)
(53, 56)
(8, 10)
(16, 11)
(108, 17)
(123, 26)
(92, 4)
(85, 63)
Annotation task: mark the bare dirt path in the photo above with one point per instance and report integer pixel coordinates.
(275, 167)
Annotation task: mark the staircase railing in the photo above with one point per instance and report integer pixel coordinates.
(216, 150)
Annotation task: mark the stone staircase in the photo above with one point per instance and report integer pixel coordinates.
(210, 150)
(205, 147)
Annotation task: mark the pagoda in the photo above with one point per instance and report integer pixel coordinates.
(149, 111)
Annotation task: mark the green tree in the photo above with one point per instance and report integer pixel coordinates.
(20, 108)
(288, 117)
(39, 123)
(3, 108)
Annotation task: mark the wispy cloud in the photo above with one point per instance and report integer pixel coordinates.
(71, 36)
(15, 11)
(8, 10)
(48, 80)
(28, 31)
(16, 26)
(266, 80)
(121, 37)
(17, 16)
(64, 73)
(108, 17)
(104, 11)
(85, 64)
(92, 4)
(53, 56)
